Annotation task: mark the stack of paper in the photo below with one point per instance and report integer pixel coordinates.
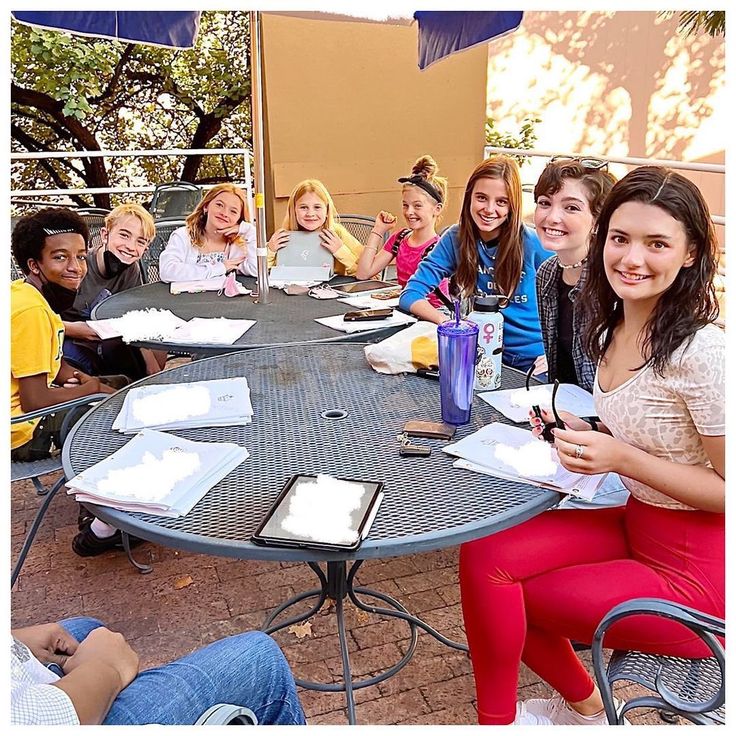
(515, 403)
(280, 276)
(367, 301)
(220, 403)
(210, 331)
(195, 287)
(514, 453)
(152, 325)
(157, 473)
(338, 323)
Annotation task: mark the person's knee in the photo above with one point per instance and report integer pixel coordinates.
(80, 626)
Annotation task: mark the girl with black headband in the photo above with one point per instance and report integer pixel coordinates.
(490, 251)
(423, 196)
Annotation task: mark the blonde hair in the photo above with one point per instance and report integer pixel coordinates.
(426, 167)
(130, 208)
(309, 186)
(197, 221)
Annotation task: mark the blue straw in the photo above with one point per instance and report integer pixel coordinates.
(457, 312)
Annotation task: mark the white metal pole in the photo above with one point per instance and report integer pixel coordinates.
(256, 83)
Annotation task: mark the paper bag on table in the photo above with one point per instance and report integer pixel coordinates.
(406, 351)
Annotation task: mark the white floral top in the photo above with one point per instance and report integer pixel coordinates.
(664, 416)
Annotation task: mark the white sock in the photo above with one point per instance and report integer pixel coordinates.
(102, 530)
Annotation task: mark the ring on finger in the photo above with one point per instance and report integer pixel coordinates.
(578, 452)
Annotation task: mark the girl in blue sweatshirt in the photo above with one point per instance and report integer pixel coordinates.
(489, 251)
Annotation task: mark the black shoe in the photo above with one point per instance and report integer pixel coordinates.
(84, 518)
(88, 544)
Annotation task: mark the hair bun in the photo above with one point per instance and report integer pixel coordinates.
(424, 166)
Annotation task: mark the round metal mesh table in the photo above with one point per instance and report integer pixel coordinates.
(285, 319)
(428, 504)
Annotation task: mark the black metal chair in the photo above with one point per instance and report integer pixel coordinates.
(34, 470)
(149, 260)
(95, 219)
(174, 199)
(359, 226)
(693, 689)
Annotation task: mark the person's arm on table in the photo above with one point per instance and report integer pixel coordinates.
(35, 393)
(102, 665)
(80, 331)
(249, 267)
(695, 485)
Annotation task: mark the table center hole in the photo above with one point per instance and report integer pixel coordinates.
(334, 414)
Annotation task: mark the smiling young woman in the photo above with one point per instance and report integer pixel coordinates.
(659, 390)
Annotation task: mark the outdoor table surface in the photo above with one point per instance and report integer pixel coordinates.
(428, 504)
(285, 319)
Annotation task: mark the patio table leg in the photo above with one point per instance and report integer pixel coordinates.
(337, 585)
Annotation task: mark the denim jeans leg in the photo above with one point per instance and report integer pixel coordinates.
(80, 626)
(247, 670)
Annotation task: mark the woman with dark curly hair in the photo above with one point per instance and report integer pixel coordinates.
(659, 390)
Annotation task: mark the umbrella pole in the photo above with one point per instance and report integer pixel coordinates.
(256, 80)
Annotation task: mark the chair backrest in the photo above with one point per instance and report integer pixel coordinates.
(174, 199)
(95, 219)
(359, 226)
(149, 261)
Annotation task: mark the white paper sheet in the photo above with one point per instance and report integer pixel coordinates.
(570, 398)
(338, 323)
(197, 286)
(211, 331)
(217, 403)
(105, 328)
(479, 451)
(368, 302)
(157, 473)
(306, 275)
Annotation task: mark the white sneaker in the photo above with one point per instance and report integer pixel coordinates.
(527, 718)
(559, 713)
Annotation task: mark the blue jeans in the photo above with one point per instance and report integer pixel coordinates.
(247, 670)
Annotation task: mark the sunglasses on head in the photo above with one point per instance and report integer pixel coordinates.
(588, 163)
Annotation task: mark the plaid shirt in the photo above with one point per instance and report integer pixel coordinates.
(548, 289)
(33, 699)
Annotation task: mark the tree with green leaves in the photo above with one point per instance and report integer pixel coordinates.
(76, 93)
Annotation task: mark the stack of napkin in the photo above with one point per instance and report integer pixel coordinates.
(220, 403)
(157, 473)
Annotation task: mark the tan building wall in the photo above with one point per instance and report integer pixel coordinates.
(347, 104)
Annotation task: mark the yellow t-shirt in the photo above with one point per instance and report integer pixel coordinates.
(346, 257)
(36, 338)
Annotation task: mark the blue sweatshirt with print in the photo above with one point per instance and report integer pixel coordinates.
(522, 335)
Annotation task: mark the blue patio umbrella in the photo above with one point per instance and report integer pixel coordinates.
(441, 33)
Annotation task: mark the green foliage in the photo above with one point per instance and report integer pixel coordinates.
(75, 93)
(694, 22)
(525, 139)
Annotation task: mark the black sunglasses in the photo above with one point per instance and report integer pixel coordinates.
(588, 163)
(549, 426)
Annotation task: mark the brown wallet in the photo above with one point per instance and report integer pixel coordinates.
(433, 430)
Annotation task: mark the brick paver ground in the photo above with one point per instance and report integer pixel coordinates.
(191, 599)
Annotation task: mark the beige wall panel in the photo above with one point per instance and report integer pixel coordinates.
(346, 104)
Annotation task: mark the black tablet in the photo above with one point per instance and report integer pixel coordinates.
(308, 516)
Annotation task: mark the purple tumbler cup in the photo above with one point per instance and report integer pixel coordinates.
(457, 341)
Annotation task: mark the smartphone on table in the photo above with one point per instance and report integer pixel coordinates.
(368, 314)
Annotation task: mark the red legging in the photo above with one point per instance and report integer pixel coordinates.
(527, 591)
